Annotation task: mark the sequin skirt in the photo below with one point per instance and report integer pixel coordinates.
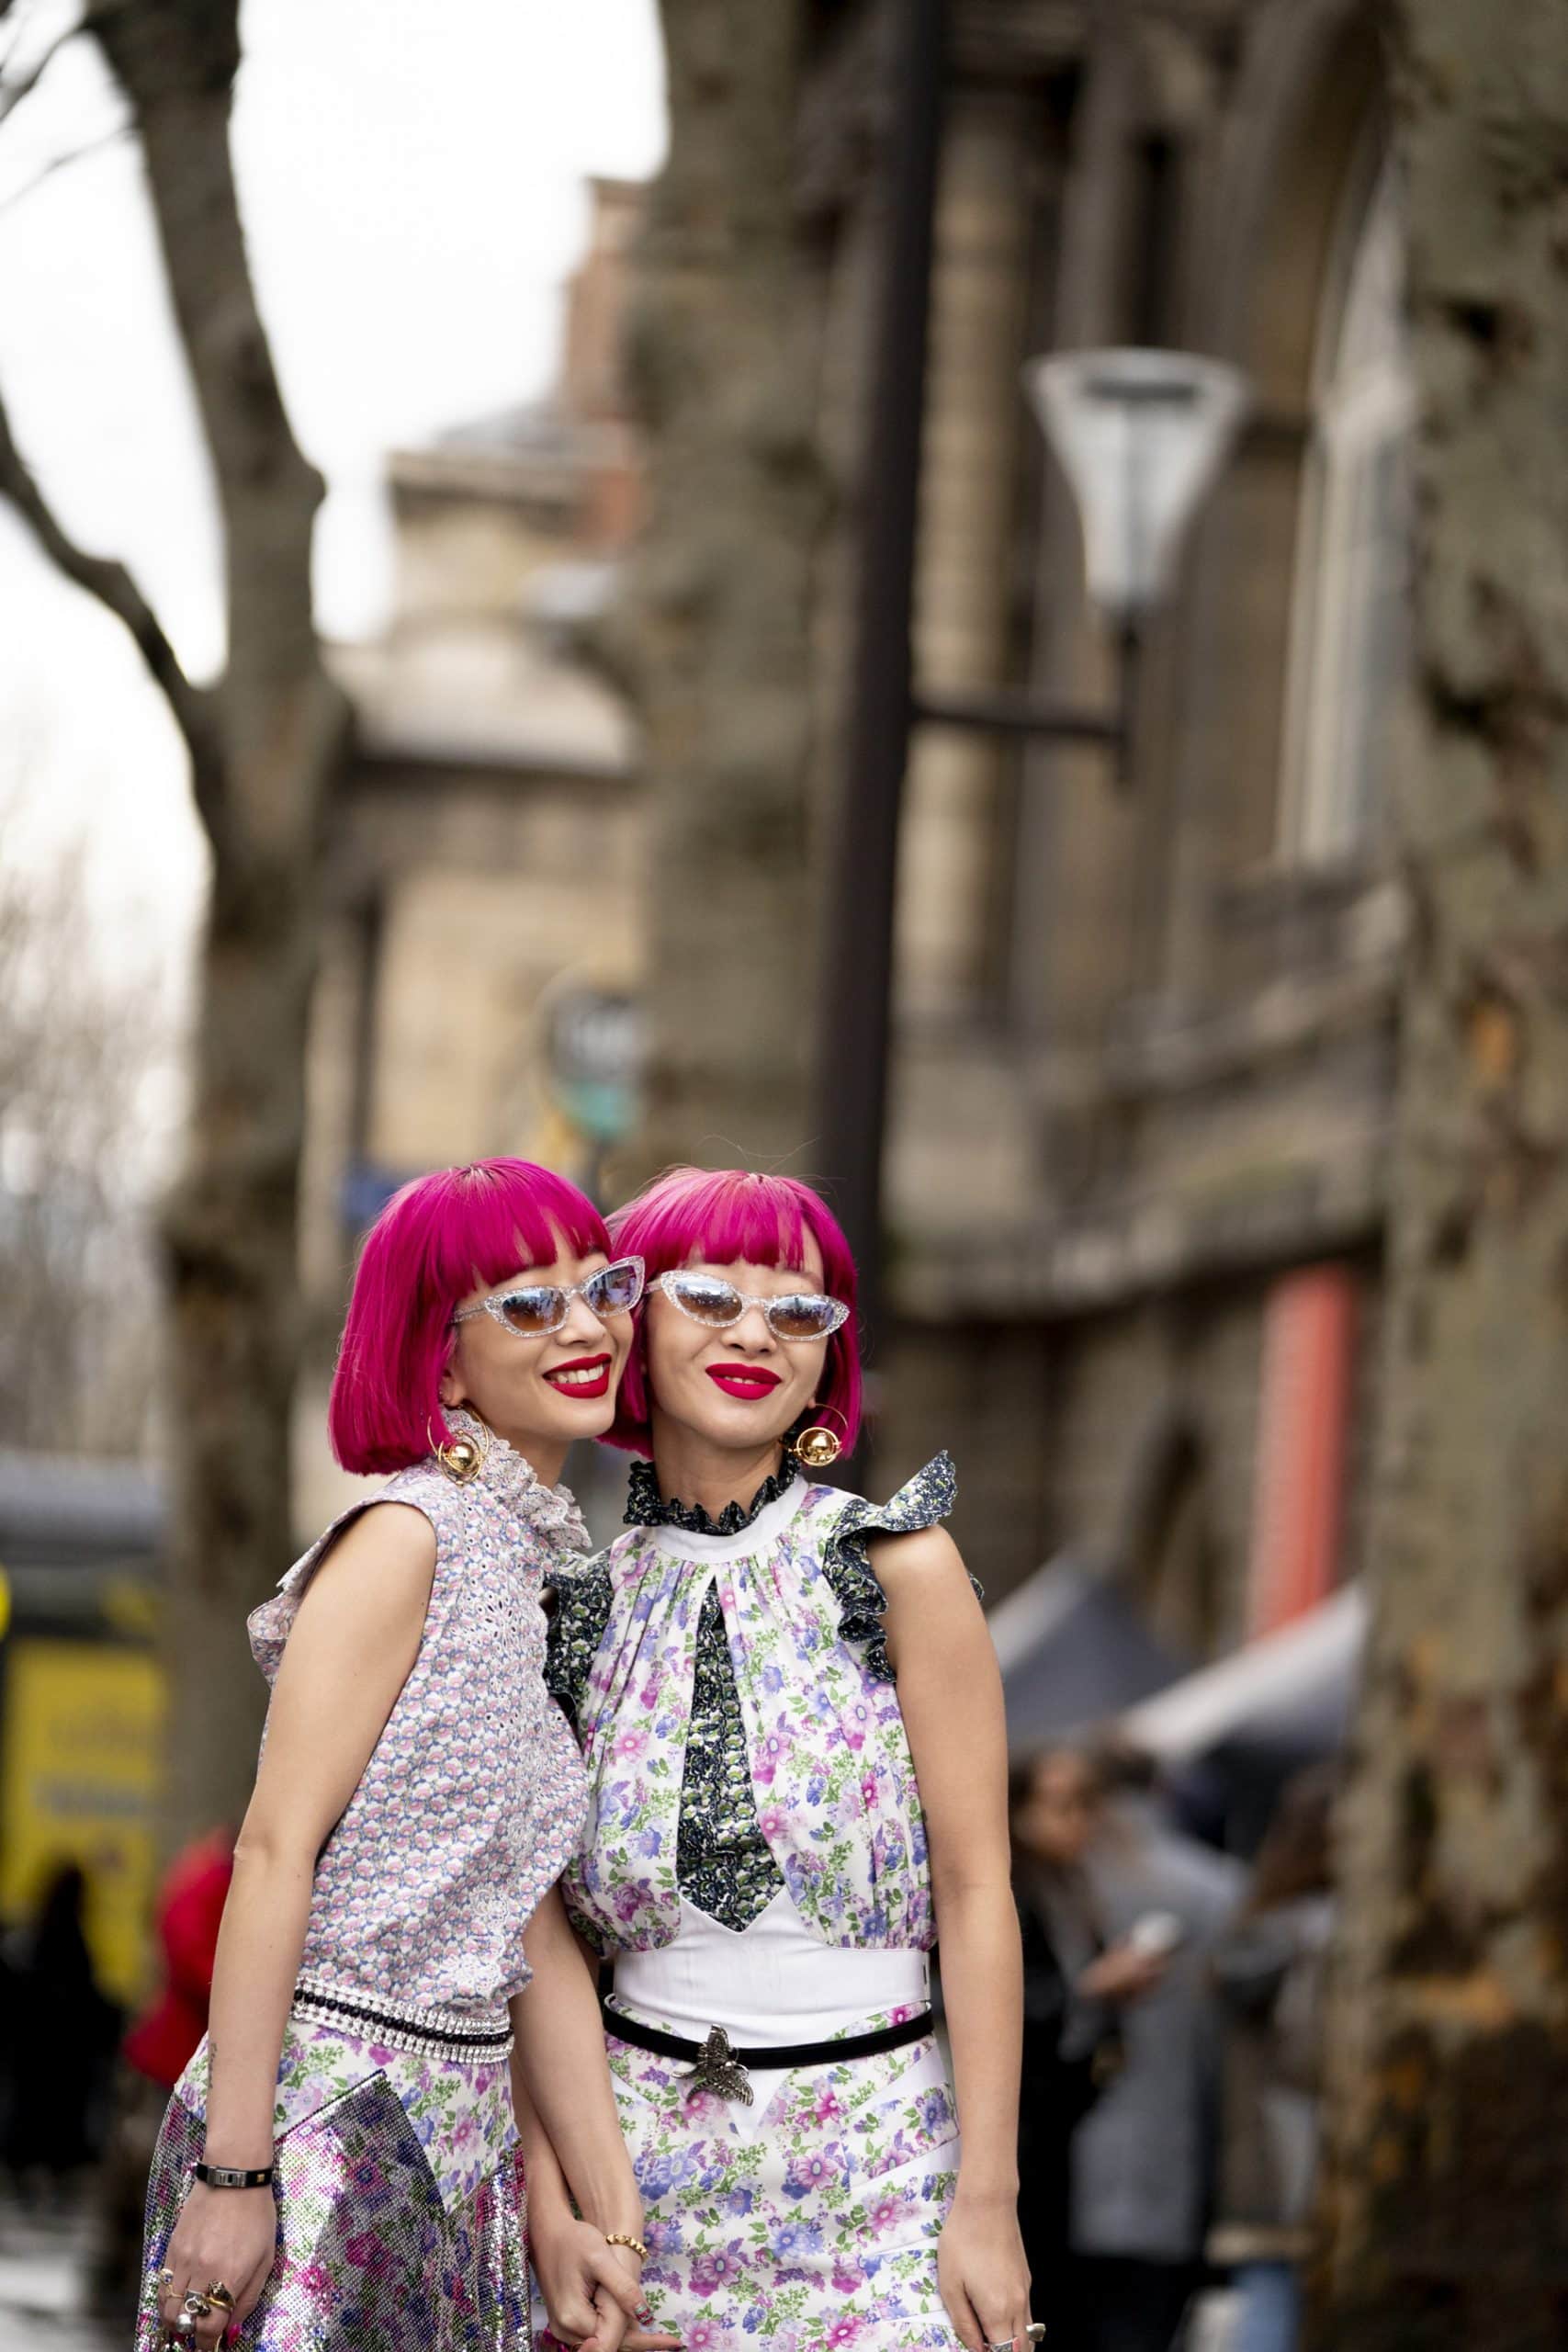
(369, 2255)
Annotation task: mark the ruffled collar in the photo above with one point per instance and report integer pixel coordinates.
(551, 1511)
(646, 1506)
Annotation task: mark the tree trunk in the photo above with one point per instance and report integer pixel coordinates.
(713, 641)
(265, 742)
(1447, 2197)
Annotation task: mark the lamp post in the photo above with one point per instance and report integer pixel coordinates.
(1141, 436)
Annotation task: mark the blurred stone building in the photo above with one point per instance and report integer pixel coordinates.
(1144, 1065)
(1143, 1031)
(487, 856)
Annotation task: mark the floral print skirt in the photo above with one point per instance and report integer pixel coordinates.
(400, 2223)
(806, 2222)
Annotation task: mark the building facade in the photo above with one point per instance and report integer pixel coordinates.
(1144, 1068)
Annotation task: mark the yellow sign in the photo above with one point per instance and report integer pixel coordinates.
(79, 1771)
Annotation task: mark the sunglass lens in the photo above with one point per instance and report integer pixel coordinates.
(706, 1301)
(615, 1289)
(532, 1312)
(802, 1317)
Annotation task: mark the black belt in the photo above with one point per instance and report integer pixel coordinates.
(717, 2065)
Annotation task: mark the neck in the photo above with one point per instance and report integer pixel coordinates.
(546, 1456)
(692, 1469)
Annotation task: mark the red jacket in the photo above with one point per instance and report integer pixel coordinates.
(190, 1911)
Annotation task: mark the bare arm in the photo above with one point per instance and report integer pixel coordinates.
(352, 1645)
(950, 1697)
(572, 2146)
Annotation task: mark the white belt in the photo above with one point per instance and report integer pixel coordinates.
(775, 1983)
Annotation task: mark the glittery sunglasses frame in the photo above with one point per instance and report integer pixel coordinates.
(562, 1294)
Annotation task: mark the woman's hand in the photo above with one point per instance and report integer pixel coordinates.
(593, 2291)
(1125, 1973)
(224, 2237)
(982, 2272)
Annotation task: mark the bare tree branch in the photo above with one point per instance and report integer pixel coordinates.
(61, 163)
(110, 581)
(12, 93)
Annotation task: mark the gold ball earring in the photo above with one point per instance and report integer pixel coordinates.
(817, 1447)
(462, 1457)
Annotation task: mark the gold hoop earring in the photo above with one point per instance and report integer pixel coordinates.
(817, 1447)
(462, 1457)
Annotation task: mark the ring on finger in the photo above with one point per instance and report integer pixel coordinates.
(1033, 2334)
(219, 2296)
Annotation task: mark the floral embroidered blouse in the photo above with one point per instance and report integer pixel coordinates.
(731, 1687)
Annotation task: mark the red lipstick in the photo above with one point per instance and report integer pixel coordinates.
(750, 1382)
(599, 1385)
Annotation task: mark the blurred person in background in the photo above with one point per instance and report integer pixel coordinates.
(162, 2041)
(60, 2034)
(1143, 2158)
(1270, 1969)
(761, 1670)
(155, 2054)
(336, 2163)
(1074, 1991)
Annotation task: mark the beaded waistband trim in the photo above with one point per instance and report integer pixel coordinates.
(432, 2032)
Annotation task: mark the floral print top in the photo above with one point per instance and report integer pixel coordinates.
(473, 1796)
(731, 1689)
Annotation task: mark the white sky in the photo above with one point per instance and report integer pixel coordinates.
(412, 176)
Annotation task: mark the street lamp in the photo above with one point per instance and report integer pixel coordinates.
(1141, 436)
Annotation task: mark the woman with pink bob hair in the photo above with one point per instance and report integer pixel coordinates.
(336, 2165)
(791, 1717)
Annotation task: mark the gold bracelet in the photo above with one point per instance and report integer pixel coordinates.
(619, 2237)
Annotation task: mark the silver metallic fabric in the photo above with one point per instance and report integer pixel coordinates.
(369, 2256)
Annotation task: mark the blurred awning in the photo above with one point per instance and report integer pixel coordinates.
(1289, 1694)
(1073, 1651)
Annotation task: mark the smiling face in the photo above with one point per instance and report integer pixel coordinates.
(541, 1395)
(738, 1389)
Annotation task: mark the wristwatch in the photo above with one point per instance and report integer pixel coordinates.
(231, 2176)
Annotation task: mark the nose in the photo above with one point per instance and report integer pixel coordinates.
(582, 1323)
(752, 1334)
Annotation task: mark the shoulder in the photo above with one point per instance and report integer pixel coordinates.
(925, 1556)
(391, 1530)
(379, 1556)
(870, 1548)
(381, 1553)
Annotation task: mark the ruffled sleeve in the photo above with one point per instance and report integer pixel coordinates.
(577, 1627)
(846, 1562)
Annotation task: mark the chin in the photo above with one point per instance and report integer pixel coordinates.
(741, 1427)
(585, 1420)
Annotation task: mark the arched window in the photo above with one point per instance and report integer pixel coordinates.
(1351, 631)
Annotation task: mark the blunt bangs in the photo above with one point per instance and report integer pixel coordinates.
(438, 1239)
(719, 1216)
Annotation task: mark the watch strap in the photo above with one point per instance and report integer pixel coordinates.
(232, 2177)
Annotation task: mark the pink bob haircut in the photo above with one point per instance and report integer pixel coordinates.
(437, 1240)
(721, 1215)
